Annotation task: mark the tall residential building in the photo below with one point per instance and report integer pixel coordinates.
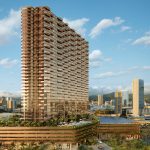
(100, 100)
(118, 102)
(9, 105)
(54, 66)
(138, 96)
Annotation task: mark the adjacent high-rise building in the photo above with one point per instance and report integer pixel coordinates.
(138, 96)
(118, 102)
(100, 100)
(9, 105)
(54, 66)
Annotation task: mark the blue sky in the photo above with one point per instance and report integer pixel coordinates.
(118, 33)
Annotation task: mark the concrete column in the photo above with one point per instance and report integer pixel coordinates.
(70, 146)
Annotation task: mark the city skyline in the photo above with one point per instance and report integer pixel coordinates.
(118, 35)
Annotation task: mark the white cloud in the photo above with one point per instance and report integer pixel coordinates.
(9, 26)
(103, 24)
(95, 63)
(96, 58)
(144, 40)
(106, 74)
(134, 68)
(147, 33)
(125, 28)
(139, 68)
(7, 63)
(9, 94)
(107, 59)
(96, 54)
(110, 74)
(77, 24)
(146, 67)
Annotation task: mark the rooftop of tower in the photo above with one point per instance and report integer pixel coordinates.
(58, 18)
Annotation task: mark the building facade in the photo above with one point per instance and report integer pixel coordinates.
(118, 102)
(100, 100)
(54, 66)
(138, 96)
(9, 105)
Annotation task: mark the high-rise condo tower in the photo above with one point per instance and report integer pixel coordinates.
(54, 66)
(138, 96)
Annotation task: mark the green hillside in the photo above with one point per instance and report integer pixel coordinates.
(107, 97)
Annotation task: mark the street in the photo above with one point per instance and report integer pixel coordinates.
(101, 146)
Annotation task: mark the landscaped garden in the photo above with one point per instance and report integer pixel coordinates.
(58, 120)
(46, 131)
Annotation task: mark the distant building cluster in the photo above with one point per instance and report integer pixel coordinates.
(123, 103)
(10, 104)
